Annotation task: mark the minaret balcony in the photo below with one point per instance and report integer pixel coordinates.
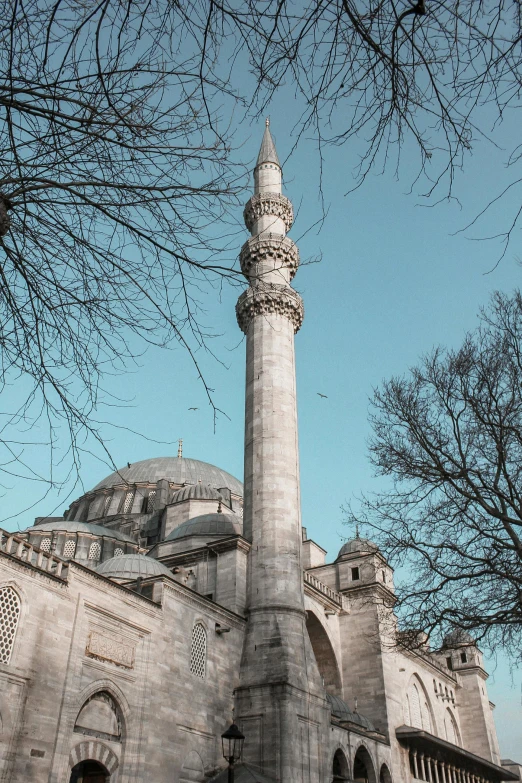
(269, 298)
(274, 204)
(269, 249)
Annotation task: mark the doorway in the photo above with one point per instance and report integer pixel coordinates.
(89, 772)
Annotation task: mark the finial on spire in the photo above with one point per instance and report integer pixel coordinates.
(357, 530)
(220, 508)
(267, 122)
(180, 448)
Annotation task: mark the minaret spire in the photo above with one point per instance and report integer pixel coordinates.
(279, 679)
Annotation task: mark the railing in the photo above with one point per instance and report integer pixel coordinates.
(316, 583)
(20, 548)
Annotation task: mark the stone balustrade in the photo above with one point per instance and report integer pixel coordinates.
(427, 768)
(21, 549)
(314, 582)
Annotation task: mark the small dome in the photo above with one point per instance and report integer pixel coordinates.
(196, 492)
(357, 545)
(458, 638)
(178, 470)
(132, 566)
(341, 711)
(70, 526)
(208, 525)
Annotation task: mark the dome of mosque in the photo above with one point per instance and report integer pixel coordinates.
(178, 470)
(341, 711)
(208, 525)
(132, 566)
(357, 545)
(196, 492)
(457, 638)
(80, 527)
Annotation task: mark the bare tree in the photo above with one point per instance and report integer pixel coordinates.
(449, 436)
(115, 170)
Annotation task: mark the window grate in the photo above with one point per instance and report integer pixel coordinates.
(106, 505)
(95, 550)
(118, 552)
(69, 549)
(151, 501)
(198, 651)
(127, 504)
(45, 544)
(9, 616)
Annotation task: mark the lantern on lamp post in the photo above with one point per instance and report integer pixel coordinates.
(232, 741)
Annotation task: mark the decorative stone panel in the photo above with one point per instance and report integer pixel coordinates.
(268, 298)
(269, 246)
(269, 204)
(110, 648)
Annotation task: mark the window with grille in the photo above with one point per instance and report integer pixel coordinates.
(106, 505)
(198, 651)
(45, 544)
(95, 550)
(69, 549)
(118, 552)
(127, 503)
(9, 616)
(151, 501)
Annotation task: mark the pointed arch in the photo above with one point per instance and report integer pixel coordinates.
(450, 728)
(417, 708)
(324, 655)
(340, 768)
(192, 770)
(384, 775)
(363, 766)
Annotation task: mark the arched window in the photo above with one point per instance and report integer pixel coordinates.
(95, 550)
(415, 707)
(151, 501)
(45, 544)
(426, 717)
(9, 617)
(106, 505)
(118, 552)
(127, 503)
(198, 651)
(450, 728)
(69, 549)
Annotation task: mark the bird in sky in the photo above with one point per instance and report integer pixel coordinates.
(322, 395)
(193, 409)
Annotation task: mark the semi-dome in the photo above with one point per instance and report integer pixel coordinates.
(457, 638)
(178, 470)
(132, 566)
(208, 525)
(70, 526)
(341, 711)
(357, 545)
(197, 491)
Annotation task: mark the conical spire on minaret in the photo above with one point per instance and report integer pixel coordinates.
(267, 152)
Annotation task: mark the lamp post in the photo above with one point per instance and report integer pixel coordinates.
(232, 741)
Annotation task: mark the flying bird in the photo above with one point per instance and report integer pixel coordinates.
(193, 409)
(322, 395)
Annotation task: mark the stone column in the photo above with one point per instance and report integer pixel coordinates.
(280, 700)
(415, 768)
(443, 772)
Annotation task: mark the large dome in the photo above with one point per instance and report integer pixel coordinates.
(178, 470)
(132, 566)
(80, 527)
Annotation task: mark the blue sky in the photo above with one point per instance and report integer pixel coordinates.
(394, 279)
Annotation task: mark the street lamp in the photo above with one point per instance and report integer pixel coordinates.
(232, 741)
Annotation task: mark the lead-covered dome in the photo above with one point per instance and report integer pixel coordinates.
(458, 638)
(178, 470)
(341, 711)
(357, 545)
(208, 525)
(71, 526)
(132, 567)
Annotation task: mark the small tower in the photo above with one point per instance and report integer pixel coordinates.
(280, 703)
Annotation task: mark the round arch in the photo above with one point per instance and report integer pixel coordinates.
(324, 655)
(384, 775)
(94, 750)
(363, 766)
(340, 769)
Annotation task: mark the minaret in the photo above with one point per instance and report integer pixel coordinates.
(280, 701)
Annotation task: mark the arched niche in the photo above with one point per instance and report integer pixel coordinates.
(418, 709)
(363, 768)
(324, 655)
(192, 770)
(340, 769)
(384, 775)
(100, 717)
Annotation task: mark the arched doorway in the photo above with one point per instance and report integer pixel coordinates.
(324, 655)
(363, 769)
(340, 767)
(89, 772)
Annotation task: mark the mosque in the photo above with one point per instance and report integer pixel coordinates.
(172, 599)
